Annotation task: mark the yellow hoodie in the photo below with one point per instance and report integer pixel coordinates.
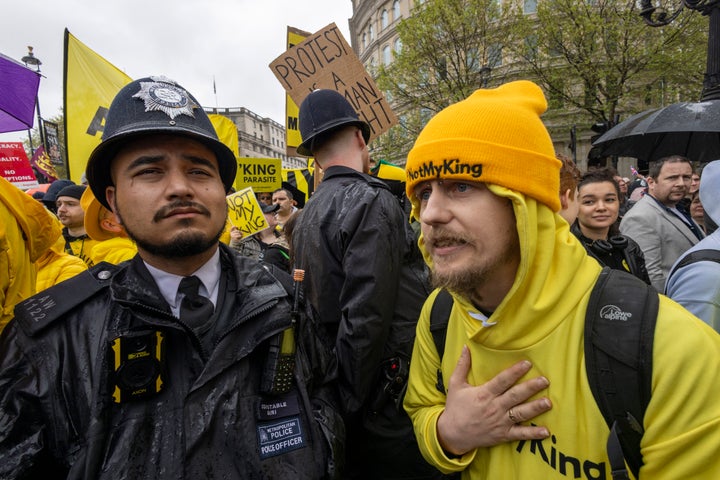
(113, 250)
(56, 265)
(542, 319)
(27, 230)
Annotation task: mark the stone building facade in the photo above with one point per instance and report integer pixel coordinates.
(258, 136)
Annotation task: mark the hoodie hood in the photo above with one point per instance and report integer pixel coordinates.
(554, 272)
(710, 190)
(40, 227)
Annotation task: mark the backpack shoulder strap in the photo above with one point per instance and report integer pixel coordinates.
(439, 320)
(706, 255)
(619, 332)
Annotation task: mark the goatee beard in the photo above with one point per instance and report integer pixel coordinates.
(185, 244)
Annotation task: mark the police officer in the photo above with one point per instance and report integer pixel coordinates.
(367, 281)
(171, 365)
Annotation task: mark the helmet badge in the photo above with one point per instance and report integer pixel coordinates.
(162, 94)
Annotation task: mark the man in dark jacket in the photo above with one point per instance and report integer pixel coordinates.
(171, 365)
(366, 280)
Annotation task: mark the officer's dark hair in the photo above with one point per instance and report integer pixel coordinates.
(656, 165)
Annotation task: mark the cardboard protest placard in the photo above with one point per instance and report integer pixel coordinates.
(15, 166)
(244, 212)
(262, 174)
(326, 60)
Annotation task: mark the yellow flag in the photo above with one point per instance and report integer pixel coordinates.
(91, 83)
(226, 131)
(228, 134)
(292, 129)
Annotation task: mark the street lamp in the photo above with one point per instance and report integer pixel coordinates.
(31, 59)
(659, 16)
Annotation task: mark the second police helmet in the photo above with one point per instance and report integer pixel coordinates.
(323, 111)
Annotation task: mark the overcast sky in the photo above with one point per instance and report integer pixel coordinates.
(189, 41)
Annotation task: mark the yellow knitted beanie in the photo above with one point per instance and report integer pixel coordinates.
(493, 136)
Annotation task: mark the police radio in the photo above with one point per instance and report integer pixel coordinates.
(137, 364)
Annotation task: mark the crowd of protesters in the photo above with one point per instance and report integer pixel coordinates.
(143, 336)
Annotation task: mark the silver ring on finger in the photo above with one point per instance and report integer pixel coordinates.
(512, 416)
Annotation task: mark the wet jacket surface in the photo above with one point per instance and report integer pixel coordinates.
(365, 278)
(364, 275)
(211, 421)
(542, 319)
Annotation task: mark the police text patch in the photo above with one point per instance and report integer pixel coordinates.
(277, 438)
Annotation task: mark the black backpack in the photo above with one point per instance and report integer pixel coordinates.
(619, 331)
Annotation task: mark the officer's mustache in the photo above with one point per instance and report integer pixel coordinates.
(167, 209)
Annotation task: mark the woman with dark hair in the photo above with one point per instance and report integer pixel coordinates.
(596, 225)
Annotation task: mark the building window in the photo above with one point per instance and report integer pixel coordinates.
(387, 55)
(398, 45)
(531, 47)
(495, 56)
(530, 6)
(371, 30)
(396, 10)
(364, 41)
(384, 19)
(472, 60)
(372, 65)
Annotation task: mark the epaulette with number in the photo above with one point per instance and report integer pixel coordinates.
(42, 309)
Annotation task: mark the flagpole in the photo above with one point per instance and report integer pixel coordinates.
(215, 92)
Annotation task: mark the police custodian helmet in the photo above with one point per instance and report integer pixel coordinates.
(154, 105)
(322, 111)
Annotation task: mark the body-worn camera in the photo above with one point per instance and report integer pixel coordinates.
(392, 383)
(137, 364)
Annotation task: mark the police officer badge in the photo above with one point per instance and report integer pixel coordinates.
(163, 94)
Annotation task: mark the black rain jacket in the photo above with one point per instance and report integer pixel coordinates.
(211, 420)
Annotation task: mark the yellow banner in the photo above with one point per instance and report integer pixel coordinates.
(91, 83)
(244, 212)
(262, 174)
(292, 128)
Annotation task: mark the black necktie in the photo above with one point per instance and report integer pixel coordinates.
(195, 309)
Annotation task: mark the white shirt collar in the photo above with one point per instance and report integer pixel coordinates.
(168, 283)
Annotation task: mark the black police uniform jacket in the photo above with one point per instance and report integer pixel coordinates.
(366, 280)
(58, 418)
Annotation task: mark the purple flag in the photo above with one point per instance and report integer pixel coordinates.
(18, 91)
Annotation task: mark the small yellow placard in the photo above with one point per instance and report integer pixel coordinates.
(244, 212)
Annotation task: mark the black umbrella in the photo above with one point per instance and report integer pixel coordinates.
(689, 129)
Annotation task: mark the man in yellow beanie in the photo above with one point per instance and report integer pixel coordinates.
(483, 180)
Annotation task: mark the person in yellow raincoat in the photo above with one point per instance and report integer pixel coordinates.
(26, 231)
